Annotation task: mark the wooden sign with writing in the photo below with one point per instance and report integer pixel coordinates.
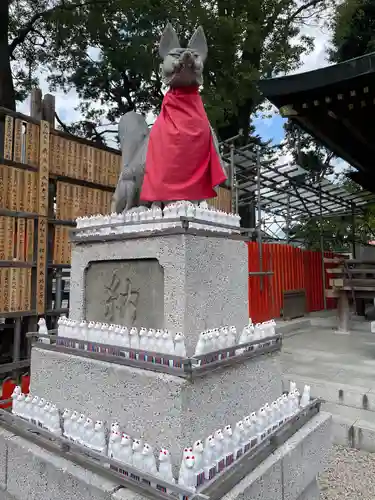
(42, 219)
(8, 138)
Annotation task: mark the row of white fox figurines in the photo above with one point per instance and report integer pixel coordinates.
(151, 340)
(156, 218)
(160, 341)
(199, 463)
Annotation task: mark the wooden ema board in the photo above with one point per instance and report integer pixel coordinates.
(74, 201)
(223, 201)
(15, 283)
(18, 189)
(17, 193)
(74, 159)
(21, 141)
(41, 262)
(61, 247)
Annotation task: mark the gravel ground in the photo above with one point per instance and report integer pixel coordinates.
(350, 475)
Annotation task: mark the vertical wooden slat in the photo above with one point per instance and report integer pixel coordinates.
(74, 160)
(9, 237)
(57, 245)
(85, 150)
(8, 139)
(5, 290)
(22, 290)
(70, 159)
(21, 230)
(90, 162)
(14, 289)
(27, 294)
(82, 201)
(29, 240)
(35, 144)
(29, 144)
(75, 204)
(2, 238)
(70, 194)
(43, 212)
(22, 189)
(2, 287)
(57, 166)
(18, 141)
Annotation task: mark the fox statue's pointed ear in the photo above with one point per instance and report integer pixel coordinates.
(168, 41)
(198, 43)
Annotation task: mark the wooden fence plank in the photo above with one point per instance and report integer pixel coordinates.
(42, 220)
(8, 138)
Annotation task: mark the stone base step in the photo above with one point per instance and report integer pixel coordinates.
(293, 326)
(352, 427)
(29, 472)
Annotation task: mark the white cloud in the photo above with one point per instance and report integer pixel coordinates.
(66, 104)
(318, 57)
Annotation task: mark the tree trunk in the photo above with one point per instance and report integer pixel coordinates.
(7, 94)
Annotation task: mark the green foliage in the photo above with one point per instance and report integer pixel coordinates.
(353, 30)
(107, 51)
(308, 153)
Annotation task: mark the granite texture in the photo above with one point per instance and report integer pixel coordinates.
(4, 495)
(205, 279)
(163, 409)
(264, 483)
(306, 454)
(277, 478)
(312, 492)
(4, 438)
(129, 292)
(37, 473)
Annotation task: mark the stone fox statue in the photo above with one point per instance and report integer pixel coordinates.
(179, 159)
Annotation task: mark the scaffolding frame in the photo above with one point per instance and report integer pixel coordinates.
(288, 192)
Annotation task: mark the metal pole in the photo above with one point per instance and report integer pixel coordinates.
(288, 218)
(58, 291)
(322, 246)
(17, 340)
(259, 224)
(232, 178)
(353, 231)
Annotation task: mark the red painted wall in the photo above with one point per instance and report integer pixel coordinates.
(7, 387)
(293, 269)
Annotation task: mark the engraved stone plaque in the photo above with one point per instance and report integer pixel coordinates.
(125, 292)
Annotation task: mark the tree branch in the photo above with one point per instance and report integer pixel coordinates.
(29, 26)
(62, 124)
(270, 24)
(302, 8)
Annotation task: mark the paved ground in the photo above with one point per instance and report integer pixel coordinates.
(341, 370)
(322, 354)
(350, 475)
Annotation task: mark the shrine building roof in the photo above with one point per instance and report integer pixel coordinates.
(336, 105)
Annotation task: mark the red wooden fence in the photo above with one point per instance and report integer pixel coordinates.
(8, 386)
(293, 269)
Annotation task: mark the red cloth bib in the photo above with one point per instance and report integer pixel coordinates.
(181, 162)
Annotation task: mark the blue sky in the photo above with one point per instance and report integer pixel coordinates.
(270, 128)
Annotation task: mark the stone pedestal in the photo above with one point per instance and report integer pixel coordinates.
(183, 282)
(180, 282)
(28, 472)
(165, 410)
